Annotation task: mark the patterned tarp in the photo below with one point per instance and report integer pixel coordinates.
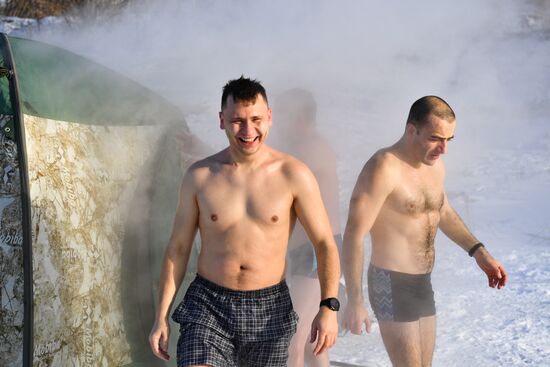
(83, 179)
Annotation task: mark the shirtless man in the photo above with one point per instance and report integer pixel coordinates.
(298, 135)
(400, 199)
(244, 201)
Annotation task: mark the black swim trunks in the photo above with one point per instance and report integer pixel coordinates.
(224, 327)
(402, 297)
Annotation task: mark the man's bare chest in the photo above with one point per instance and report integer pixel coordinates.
(227, 204)
(417, 195)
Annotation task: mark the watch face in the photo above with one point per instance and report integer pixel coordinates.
(332, 304)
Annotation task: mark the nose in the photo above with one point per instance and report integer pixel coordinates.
(443, 146)
(247, 127)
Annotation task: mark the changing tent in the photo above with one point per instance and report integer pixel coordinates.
(89, 175)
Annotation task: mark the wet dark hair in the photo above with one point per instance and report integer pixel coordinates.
(243, 89)
(429, 105)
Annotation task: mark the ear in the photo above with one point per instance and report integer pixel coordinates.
(411, 129)
(269, 117)
(222, 122)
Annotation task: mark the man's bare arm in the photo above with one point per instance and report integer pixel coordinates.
(453, 227)
(174, 265)
(373, 186)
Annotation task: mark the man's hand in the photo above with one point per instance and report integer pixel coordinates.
(493, 268)
(355, 314)
(324, 328)
(158, 339)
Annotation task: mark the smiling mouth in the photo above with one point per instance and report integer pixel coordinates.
(248, 140)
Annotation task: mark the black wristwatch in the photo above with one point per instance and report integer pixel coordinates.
(332, 303)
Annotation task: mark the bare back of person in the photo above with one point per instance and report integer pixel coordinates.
(299, 135)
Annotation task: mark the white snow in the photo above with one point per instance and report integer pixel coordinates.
(366, 64)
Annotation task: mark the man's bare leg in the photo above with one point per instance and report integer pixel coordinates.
(403, 342)
(427, 339)
(321, 360)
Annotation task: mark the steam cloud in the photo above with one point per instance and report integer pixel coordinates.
(366, 62)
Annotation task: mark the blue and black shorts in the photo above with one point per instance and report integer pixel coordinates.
(224, 327)
(401, 297)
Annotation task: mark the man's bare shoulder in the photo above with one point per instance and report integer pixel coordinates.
(295, 172)
(290, 165)
(384, 162)
(206, 167)
(379, 175)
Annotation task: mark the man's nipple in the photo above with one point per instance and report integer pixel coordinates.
(214, 217)
(274, 219)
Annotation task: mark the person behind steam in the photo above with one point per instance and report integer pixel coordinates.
(297, 134)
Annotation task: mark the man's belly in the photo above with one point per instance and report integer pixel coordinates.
(405, 244)
(403, 255)
(242, 272)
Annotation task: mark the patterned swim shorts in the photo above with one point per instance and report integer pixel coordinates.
(401, 297)
(223, 327)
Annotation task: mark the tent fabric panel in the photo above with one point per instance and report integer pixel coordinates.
(83, 179)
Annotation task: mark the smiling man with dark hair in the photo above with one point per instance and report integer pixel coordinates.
(244, 201)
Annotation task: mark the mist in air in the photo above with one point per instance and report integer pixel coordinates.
(365, 63)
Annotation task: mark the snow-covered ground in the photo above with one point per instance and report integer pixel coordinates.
(366, 64)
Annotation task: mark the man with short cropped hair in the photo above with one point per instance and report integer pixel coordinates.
(400, 199)
(244, 200)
